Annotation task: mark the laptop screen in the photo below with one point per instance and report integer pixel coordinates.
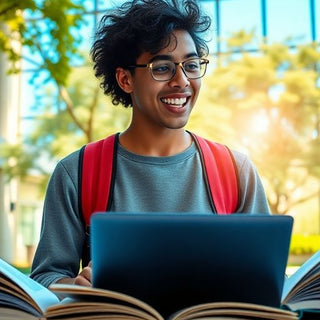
(173, 261)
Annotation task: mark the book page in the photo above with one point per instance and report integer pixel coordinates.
(93, 309)
(89, 294)
(15, 303)
(42, 297)
(301, 273)
(310, 305)
(238, 310)
(12, 314)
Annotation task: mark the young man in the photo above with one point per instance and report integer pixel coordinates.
(149, 56)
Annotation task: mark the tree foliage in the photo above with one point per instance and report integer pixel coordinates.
(83, 114)
(45, 30)
(273, 102)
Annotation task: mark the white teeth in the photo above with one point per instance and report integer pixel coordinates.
(175, 101)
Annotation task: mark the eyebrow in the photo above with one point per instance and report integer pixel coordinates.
(169, 57)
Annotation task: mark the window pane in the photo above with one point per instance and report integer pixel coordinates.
(317, 17)
(239, 15)
(289, 19)
(209, 8)
(110, 4)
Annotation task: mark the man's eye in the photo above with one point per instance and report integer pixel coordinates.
(161, 68)
(192, 66)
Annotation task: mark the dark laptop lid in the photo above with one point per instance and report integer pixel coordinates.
(172, 261)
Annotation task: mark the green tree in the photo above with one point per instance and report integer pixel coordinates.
(47, 29)
(272, 99)
(82, 114)
(48, 38)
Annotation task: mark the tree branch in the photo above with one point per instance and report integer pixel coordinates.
(5, 10)
(92, 108)
(63, 93)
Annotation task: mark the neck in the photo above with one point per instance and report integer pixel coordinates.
(158, 144)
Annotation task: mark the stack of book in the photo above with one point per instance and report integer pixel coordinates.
(23, 298)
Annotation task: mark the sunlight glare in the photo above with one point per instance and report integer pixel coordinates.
(260, 123)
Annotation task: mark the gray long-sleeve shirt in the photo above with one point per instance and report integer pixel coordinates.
(143, 184)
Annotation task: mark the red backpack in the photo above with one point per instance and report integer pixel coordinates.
(97, 169)
(98, 163)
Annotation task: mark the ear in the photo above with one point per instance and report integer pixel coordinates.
(124, 79)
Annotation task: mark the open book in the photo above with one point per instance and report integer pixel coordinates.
(23, 298)
(301, 291)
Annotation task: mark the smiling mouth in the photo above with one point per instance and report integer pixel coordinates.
(175, 102)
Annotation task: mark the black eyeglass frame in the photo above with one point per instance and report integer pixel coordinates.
(203, 61)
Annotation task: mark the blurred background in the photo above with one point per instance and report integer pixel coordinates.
(261, 96)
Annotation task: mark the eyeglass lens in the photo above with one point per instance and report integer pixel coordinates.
(164, 69)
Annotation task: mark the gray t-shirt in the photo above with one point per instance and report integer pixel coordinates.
(172, 184)
(160, 184)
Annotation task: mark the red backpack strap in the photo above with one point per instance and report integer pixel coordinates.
(97, 176)
(221, 175)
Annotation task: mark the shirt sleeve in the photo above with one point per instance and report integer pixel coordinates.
(62, 234)
(252, 196)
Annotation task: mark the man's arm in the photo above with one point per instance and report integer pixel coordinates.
(62, 235)
(252, 194)
(84, 278)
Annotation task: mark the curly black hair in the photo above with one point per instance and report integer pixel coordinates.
(140, 26)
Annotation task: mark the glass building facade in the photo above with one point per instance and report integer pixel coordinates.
(293, 22)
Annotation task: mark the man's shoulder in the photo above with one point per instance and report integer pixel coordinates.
(71, 156)
(240, 158)
(238, 155)
(70, 161)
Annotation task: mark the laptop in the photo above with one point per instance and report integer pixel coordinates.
(173, 261)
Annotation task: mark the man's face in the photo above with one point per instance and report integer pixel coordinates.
(165, 104)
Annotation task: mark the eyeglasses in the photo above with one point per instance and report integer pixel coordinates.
(164, 70)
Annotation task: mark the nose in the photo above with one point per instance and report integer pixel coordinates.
(179, 79)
